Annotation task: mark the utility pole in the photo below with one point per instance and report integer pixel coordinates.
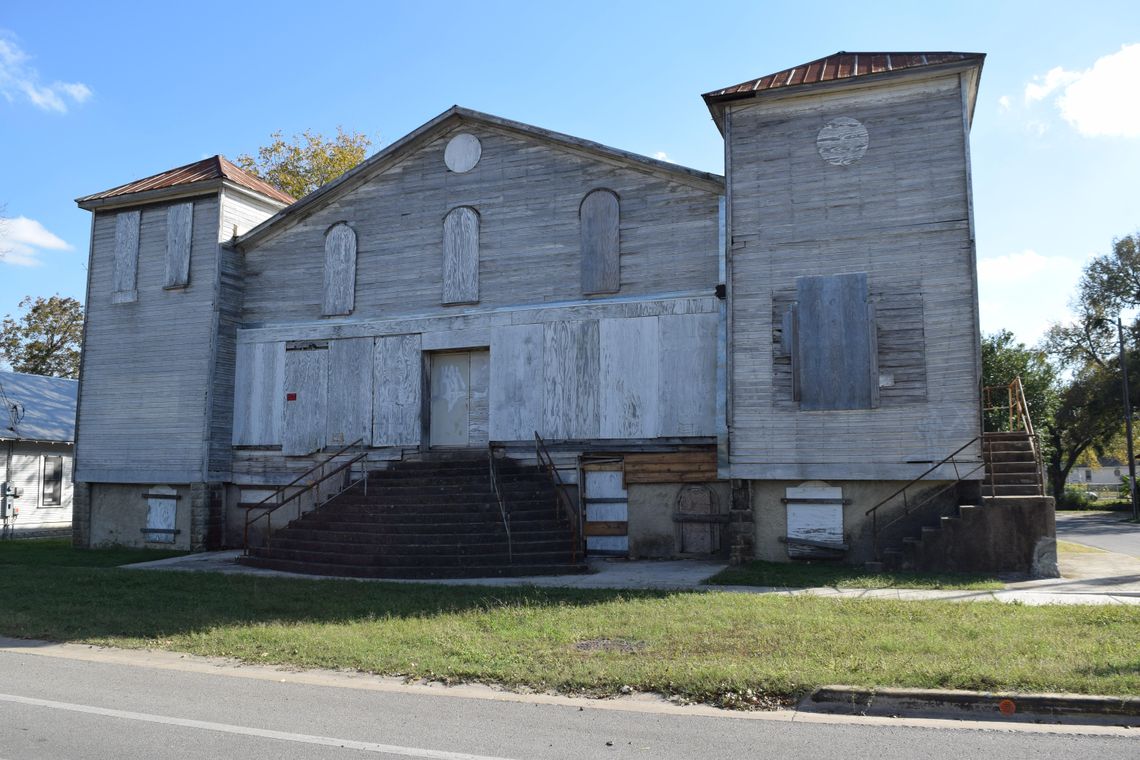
(1127, 421)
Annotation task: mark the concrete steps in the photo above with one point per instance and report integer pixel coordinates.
(430, 518)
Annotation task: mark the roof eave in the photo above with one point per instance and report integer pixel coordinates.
(191, 190)
(717, 103)
(441, 124)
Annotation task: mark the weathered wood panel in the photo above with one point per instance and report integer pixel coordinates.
(478, 421)
(221, 393)
(350, 391)
(820, 521)
(461, 256)
(687, 371)
(397, 386)
(696, 466)
(901, 215)
(450, 408)
(600, 217)
(306, 401)
(259, 394)
(834, 356)
(614, 510)
(158, 353)
(516, 382)
(340, 270)
(124, 286)
(179, 233)
(528, 195)
(570, 380)
(628, 380)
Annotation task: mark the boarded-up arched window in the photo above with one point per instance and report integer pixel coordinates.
(340, 270)
(461, 256)
(600, 221)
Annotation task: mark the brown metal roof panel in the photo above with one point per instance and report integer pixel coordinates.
(796, 76)
(214, 167)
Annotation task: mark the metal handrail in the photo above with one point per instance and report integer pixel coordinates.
(493, 473)
(282, 500)
(873, 512)
(1019, 421)
(562, 502)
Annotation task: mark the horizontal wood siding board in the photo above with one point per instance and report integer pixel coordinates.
(144, 401)
(607, 528)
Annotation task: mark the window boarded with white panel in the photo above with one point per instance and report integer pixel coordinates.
(461, 256)
(125, 277)
(607, 510)
(340, 270)
(814, 521)
(599, 219)
(179, 233)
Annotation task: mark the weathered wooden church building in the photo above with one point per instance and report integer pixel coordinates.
(498, 346)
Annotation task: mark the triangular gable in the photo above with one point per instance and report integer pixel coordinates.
(446, 122)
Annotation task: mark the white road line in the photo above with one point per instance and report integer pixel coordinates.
(226, 728)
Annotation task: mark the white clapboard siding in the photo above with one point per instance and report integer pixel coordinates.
(26, 472)
(600, 218)
(570, 379)
(241, 213)
(461, 256)
(398, 388)
(126, 256)
(306, 401)
(628, 388)
(340, 270)
(900, 214)
(350, 391)
(179, 234)
(516, 382)
(259, 394)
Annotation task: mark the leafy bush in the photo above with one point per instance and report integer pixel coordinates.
(1074, 497)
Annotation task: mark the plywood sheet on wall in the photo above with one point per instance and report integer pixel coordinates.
(570, 373)
(629, 364)
(306, 401)
(397, 391)
(350, 391)
(516, 382)
(259, 394)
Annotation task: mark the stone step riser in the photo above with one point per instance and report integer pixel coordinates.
(437, 560)
(420, 573)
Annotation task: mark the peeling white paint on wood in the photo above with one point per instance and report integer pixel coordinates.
(306, 401)
(462, 153)
(397, 387)
(461, 256)
(340, 270)
(600, 220)
(125, 279)
(628, 381)
(179, 234)
(350, 391)
(516, 382)
(259, 394)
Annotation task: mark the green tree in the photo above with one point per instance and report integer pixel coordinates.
(1003, 359)
(310, 160)
(46, 339)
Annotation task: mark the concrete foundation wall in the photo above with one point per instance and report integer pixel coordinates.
(654, 533)
(1003, 535)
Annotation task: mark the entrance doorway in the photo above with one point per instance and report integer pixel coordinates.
(458, 410)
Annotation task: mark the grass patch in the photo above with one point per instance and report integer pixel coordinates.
(815, 574)
(723, 648)
(59, 553)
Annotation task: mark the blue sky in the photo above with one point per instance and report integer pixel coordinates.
(94, 95)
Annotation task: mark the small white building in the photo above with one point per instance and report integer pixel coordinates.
(1109, 473)
(37, 449)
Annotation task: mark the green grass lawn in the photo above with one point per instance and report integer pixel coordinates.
(724, 648)
(815, 574)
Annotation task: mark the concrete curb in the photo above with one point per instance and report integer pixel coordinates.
(1003, 707)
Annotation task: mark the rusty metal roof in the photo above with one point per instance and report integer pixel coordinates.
(841, 65)
(212, 168)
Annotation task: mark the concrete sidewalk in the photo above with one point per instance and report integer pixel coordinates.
(690, 575)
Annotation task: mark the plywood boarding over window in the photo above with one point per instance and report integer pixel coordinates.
(461, 256)
(397, 387)
(350, 391)
(259, 394)
(179, 234)
(306, 401)
(125, 278)
(600, 219)
(340, 270)
(834, 341)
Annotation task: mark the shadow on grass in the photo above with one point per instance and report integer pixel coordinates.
(833, 574)
(54, 592)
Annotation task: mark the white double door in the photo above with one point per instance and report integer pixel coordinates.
(458, 413)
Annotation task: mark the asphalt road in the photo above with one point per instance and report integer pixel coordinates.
(139, 705)
(1104, 530)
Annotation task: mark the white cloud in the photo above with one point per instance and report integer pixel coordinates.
(20, 81)
(1003, 103)
(1097, 102)
(1025, 292)
(23, 239)
(662, 156)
